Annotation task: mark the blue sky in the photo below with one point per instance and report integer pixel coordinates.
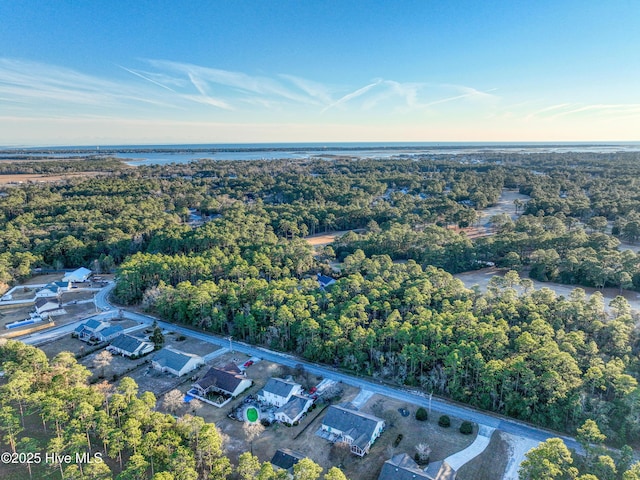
(113, 72)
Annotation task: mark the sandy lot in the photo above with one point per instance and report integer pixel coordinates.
(322, 239)
(43, 178)
(483, 276)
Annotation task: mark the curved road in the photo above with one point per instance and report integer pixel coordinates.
(410, 396)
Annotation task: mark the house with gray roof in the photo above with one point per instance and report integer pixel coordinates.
(402, 467)
(88, 330)
(130, 346)
(348, 425)
(227, 380)
(285, 459)
(294, 409)
(109, 333)
(175, 361)
(278, 391)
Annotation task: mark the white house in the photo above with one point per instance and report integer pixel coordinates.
(227, 380)
(357, 429)
(129, 346)
(176, 362)
(44, 305)
(294, 409)
(80, 275)
(278, 391)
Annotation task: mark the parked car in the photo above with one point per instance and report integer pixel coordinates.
(248, 363)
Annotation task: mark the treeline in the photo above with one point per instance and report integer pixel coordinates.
(535, 356)
(118, 428)
(31, 165)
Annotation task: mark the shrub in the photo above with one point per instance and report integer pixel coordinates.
(421, 414)
(444, 421)
(466, 428)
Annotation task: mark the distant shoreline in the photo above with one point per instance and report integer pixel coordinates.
(305, 147)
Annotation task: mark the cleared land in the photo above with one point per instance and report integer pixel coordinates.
(19, 178)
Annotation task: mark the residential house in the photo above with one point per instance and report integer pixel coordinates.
(357, 429)
(325, 281)
(294, 409)
(45, 305)
(88, 329)
(52, 290)
(286, 459)
(402, 467)
(77, 276)
(176, 362)
(109, 333)
(278, 391)
(227, 380)
(129, 346)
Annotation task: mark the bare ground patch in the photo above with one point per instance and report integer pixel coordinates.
(490, 464)
(19, 178)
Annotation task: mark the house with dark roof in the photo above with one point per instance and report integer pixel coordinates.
(294, 409)
(45, 305)
(286, 459)
(356, 428)
(325, 281)
(278, 391)
(176, 362)
(227, 380)
(109, 333)
(87, 330)
(402, 467)
(129, 346)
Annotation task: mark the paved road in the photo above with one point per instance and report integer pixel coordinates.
(413, 397)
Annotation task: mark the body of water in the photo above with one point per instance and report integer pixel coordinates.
(166, 154)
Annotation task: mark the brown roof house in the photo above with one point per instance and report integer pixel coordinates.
(227, 380)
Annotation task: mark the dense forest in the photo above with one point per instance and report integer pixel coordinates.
(240, 267)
